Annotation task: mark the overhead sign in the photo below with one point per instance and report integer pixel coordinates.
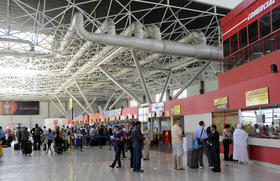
(257, 97)
(70, 104)
(111, 113)
(176, 110)
(158, 107)
(19, 107)
(261, 8)
(221, 103)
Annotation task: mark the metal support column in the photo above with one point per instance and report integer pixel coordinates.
(84, 97)
(58, 108)
(108, 102)
(142, 78)
(94, 99)
(165, 85)
(116, 101)
(78, 102)
(120, 86)
(61, 105)
(191, 80)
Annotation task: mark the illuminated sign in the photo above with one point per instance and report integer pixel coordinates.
(111, 113)
(158, 107)
(176, 110)
(257, 97)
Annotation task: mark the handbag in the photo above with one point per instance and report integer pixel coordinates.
(197, 143)
(198, 139)
(196, 146)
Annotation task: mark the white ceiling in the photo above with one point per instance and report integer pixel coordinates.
(228, 4)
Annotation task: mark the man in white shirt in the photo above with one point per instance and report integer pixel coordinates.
(177, 144)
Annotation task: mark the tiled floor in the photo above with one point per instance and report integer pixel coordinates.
(92, 164)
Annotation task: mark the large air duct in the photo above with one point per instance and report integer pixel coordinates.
(110, 52)
(19, 41)
(152, 45)
(107, 27)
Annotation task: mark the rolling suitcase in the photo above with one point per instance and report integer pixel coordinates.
(192, 157)
(58, 149)
(16, 146)
(28, 148)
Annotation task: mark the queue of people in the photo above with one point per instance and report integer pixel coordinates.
(130, 137)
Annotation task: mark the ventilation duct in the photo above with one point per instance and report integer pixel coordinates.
(152, 45)
(110, 52)
(19, 41)
(107, 27)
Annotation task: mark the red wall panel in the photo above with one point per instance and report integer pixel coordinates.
(251, 70)
(264, 154)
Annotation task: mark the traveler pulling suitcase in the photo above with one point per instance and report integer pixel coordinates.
(16, 146)
(28, 148)
(192, 156)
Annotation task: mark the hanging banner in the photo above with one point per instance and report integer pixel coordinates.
(221, 103)
(70, 104)
(257, 97)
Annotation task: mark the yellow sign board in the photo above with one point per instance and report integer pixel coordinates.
(257, 97)
(222, 100)
(176, 110)
(221, 103)
(70, 104)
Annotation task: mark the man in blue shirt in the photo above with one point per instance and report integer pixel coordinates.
(200, 133)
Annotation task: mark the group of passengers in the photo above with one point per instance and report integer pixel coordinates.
(208, 141)
(130, 137)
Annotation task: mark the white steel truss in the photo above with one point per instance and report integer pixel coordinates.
(38, 47)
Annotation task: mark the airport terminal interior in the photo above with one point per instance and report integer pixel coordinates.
(139, 90)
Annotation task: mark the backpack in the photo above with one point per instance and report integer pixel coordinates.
(37, 132)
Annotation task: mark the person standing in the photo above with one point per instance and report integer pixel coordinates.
(117, 139)
(2, 134)
(49, 137)
(130, 144)
(200, 133)
(100, 136)
(137, 141)
(147, 142)
(214, 148)
(123, 143)
(227, 140)
(24, 139)
(177, 145)
(18, 135)
(240, 151)
(37, 132)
